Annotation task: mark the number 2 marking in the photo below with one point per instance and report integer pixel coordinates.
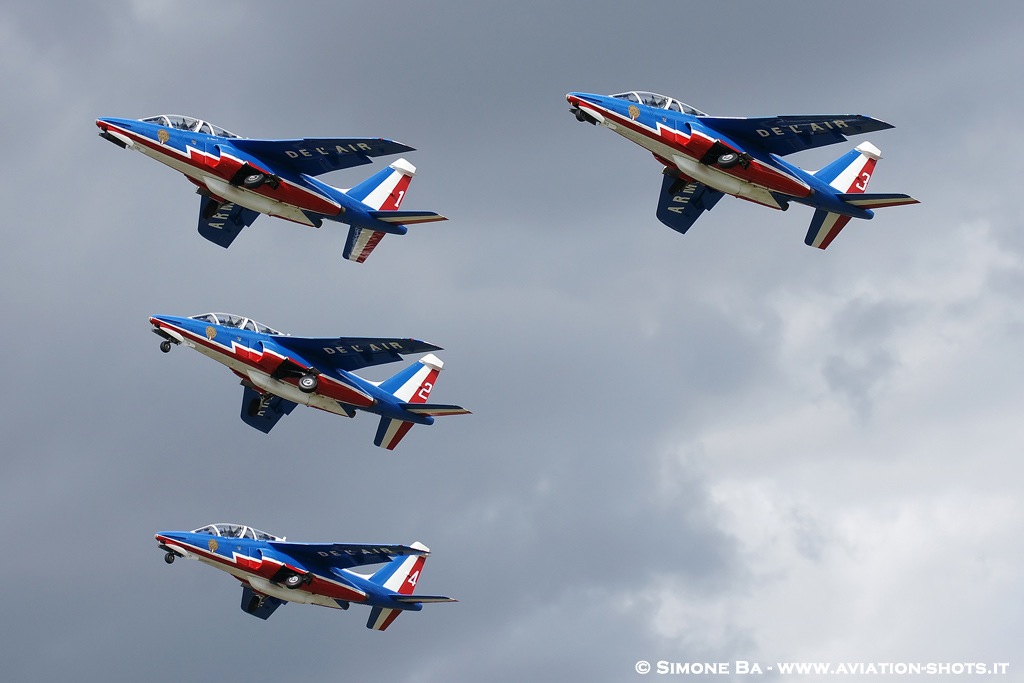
(425, 390)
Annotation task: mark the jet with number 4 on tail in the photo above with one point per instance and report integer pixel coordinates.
(240, 178)
(279, 372)
(274, 572)
(706, 157)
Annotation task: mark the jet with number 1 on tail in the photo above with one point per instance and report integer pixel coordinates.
(274, 572)
(279, 372)
(705, 157)
(240, 178)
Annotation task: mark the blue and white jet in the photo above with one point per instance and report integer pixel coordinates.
(274, 572)
(240, 178)
(706, 157)
(279, 371)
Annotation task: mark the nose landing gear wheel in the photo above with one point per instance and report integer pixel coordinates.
(165, 346)
(169, 557)
(308, 383)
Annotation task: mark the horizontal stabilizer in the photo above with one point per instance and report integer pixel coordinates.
(877, 201)
(401, 217)
(825, 227)
(360, 243)
(434, 409)
(381, 618)
(422, 598)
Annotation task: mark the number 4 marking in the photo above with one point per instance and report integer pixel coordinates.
(413, 578)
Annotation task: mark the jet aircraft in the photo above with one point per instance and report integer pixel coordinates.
(706, 157)
(240, 178)
(279, 371)
(274, 572)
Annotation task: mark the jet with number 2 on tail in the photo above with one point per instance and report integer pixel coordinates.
(279, 372)
(240, 178)
(706, 157)
(274, 572)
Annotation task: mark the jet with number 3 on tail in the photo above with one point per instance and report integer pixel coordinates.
(279, 372)
(240, 178)
(706, 157)
(274, 572)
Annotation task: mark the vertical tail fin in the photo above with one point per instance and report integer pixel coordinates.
(411, 385)
(385, 191)
(400, 576)
(849, 174)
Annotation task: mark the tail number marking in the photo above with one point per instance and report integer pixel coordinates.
(862, 181)
(425, 390)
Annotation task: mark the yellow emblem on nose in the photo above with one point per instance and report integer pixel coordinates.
(212, 545)
(211, 332)
(634, 112)
(163, 136)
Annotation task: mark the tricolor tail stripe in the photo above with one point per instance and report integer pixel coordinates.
(361, 243)
(381, 618)
(825, 227)
(390, 432)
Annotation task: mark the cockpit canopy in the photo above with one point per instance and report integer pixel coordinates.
(231, 320)
(189, 123)
(652, 99)
(237, 531)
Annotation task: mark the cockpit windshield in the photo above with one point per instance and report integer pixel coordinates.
(659, 101)
(189, 123)
(237, 531)
(238, 321)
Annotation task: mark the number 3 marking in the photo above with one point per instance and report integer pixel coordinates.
(862, 181)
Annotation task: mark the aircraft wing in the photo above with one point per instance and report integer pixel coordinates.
(221, 223)
(343, 555)
(681, 203)
(352, 353)
(315, 156)
(263, 417)
(261, 606)
(784, 135)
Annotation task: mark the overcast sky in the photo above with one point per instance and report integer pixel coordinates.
(713, 447)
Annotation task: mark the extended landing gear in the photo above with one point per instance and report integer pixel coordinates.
(308, 383)
(254, 180)
(255, 602)
(250, 178)
(729, 159)
(165, 346)
(294, 581)
(170, 557)
(258, 405)
(584, 117)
